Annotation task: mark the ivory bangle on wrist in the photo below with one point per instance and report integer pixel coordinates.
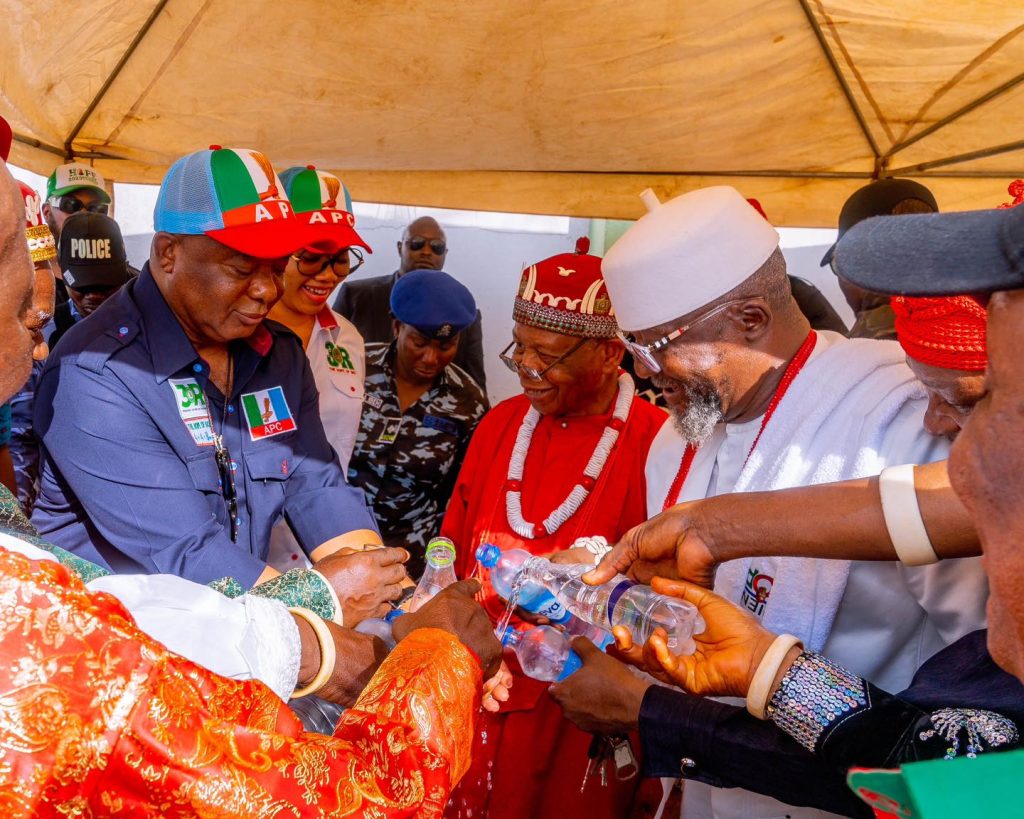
(761, 684)
(903, 516)
(328, 655)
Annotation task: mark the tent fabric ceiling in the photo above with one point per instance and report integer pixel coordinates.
(554, 107)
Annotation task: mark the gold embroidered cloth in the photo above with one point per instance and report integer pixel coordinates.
(97, 719)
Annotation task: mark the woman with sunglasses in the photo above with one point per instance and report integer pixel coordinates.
(333, 345)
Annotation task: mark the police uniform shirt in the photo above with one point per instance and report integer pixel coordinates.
(126, 416)
(407, 462)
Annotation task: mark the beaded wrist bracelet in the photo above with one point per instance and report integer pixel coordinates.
(814, 695)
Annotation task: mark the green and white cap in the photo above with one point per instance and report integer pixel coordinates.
(75, 176)
(323, 200)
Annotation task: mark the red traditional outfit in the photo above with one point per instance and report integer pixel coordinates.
(98, 719)
(529, 760)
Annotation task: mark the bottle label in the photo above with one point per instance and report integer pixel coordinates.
(549, 607)
(620, 589)
(573, 663)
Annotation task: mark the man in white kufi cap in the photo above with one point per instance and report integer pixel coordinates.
(762, 402)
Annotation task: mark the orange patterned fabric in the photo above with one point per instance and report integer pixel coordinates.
(97, 719)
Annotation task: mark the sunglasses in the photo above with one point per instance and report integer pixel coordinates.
(437, 246)
(644, 353)
(530, 372)
(345, 261)
(68, 204)
(227, 483)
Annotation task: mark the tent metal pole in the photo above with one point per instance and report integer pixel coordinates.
(68, 152)
(968, 157)
(843, 84)
(955, 115)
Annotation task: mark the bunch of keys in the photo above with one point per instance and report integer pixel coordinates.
(604, 748)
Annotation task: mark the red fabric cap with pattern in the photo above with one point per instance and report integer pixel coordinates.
(943, 332)
(41, 245)
(566, 294)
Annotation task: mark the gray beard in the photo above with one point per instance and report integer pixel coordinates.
(702, 414)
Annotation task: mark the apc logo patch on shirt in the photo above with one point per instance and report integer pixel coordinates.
(267, 413)
(192, 408)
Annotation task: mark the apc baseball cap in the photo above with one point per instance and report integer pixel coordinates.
(878, 199)
(936, 254)
(324, 202)
(75, 176)
(91, 252)
(233, 196)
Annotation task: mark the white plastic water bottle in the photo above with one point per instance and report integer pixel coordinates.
(620, 602)
(438, 574)
(543, 652)
(505, 567)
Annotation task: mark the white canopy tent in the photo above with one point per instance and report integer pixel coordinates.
(555, 107)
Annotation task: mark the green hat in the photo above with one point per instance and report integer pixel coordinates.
(73, 177)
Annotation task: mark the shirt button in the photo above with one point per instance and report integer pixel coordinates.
(565, 424)
(122, 331)
(197, 368)
(686, 764)
(238, 521)
(231, 408)
(234, 466)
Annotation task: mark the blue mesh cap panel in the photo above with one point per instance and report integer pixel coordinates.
(187, 202)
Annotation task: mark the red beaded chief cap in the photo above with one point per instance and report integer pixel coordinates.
(943, 332)
(566, 294)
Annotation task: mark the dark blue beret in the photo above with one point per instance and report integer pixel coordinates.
(433, 302)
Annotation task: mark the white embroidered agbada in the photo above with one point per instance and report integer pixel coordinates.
(854, 409)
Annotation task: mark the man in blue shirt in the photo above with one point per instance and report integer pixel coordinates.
(177, 424)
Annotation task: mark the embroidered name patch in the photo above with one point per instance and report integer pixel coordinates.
(267, 413)
(374, 401)
(192, 408)
(442, 424)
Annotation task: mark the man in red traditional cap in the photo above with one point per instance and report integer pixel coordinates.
(559, 466)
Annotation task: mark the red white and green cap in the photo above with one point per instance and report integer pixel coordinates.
(73, 177)
(323, 200)
(233, 196)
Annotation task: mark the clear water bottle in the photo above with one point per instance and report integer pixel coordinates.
(438, 574)
(543, 652)
(505, 567)
(620, 602)
(378, 627)
(318, 715)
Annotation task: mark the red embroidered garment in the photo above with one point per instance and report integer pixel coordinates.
(533, 756)
(97, 719)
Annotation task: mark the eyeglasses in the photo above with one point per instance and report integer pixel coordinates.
(227, 482)
(437, 246)
(530, 372)
(68, 204)
(312, 264)
(644, 353)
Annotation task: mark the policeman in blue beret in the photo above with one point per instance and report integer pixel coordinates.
(419, 411)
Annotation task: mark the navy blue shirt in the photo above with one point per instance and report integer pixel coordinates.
(124, 410)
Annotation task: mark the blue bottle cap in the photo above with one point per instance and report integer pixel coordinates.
(488, 554)
(394, 614)
(512, 638)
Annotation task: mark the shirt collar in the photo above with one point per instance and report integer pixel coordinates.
(325, 318)
(170, 349)
(74, 310)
